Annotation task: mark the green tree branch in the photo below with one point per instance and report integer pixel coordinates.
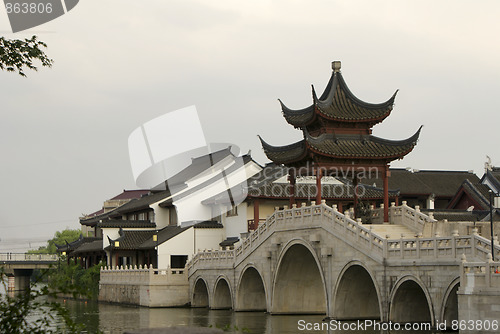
(16, 55)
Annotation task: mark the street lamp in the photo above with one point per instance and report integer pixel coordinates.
(491, 226)
(155, 239)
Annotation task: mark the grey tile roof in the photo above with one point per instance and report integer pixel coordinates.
(71, 246)
(478, 192)
(140, 203)
(338, 103)
(93, 246)
(457, 215)
(126, 223)
(425, 182)
(130, 239)
(164, 235)
(229, 241)
(92, 221)
(341, 147)
(208, 224)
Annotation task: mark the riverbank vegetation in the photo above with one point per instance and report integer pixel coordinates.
(69, 278)
(34, 311)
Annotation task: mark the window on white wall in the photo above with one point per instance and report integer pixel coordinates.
(178, 261)
(151, 216)
(232, 212)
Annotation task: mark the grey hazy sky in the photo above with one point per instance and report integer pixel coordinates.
(119, 63)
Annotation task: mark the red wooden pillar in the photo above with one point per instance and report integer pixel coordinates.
(319, 174)
(340, 208)
(255, 214)
(385, 176)
(292, 180)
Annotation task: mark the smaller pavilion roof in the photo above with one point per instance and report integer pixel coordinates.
(92, 246)
(338, 103)
(71, 246)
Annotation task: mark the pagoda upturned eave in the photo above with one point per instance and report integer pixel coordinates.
(341, 147)
(339, 104)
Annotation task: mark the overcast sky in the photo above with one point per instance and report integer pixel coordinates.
(120, 63)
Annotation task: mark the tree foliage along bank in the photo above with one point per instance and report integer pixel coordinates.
(70, 278)
(60, 238)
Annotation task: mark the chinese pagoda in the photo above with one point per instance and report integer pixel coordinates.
(338, 140)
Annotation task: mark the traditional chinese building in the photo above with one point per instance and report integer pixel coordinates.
(338, 140)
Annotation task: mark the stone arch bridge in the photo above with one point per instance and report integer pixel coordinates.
(316, 260)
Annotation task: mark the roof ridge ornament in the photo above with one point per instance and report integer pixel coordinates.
(336, 64)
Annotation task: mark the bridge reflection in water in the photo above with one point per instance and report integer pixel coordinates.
(117, 318)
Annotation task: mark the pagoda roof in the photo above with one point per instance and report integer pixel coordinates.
(342, 147)
(338, 103)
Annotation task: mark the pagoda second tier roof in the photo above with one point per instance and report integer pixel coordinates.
(341, 147)
(338, 103)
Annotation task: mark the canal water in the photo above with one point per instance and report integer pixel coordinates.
(112, 318)
(118, 318)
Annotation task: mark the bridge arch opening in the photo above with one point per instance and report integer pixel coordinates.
(298, 286)
(356, 296)
(450, 304)
(200, 294)
(410, 304)
(222, 296)
(251, 293)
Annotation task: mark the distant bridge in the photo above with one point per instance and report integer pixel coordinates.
(314, 259)
(19, 267)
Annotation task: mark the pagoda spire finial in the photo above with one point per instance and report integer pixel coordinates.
(336, 66)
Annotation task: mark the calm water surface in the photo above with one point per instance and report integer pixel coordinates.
(117, 319)
(112, 318)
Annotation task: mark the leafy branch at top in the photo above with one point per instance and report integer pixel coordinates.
(17, 54)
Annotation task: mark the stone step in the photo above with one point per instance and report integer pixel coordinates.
(393, 231)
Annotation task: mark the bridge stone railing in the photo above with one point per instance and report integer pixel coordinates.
(358, 234)
(409, 217)
(404, 215)
(144, 286)
(129, 275)
(28, 257)
(479, 275)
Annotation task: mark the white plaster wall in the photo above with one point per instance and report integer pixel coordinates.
(235, 225)
(113, 233)
(181, 244)
(162, 215)
(185, 243)
(208, 238)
